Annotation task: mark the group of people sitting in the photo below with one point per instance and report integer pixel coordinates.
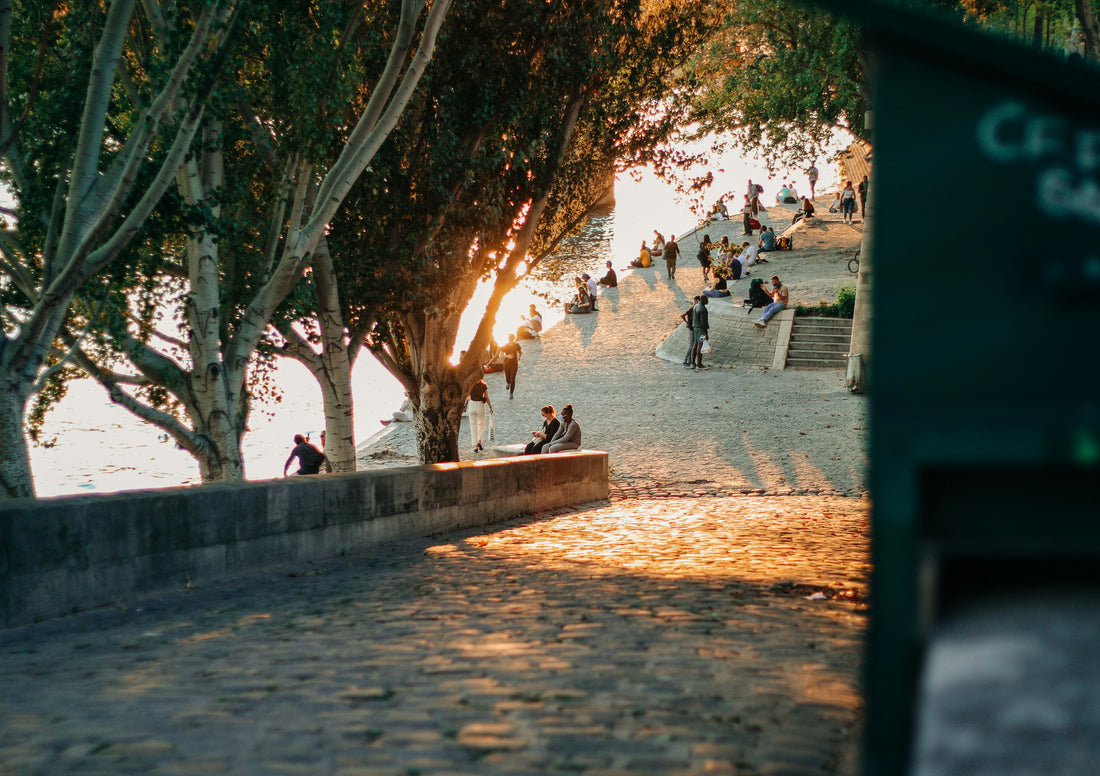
(584, 301)
(733, 261)
(557, 435)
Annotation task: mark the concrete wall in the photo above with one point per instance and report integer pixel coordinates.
(60, 555)
(734, 338)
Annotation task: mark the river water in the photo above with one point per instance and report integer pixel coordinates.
(91, 445)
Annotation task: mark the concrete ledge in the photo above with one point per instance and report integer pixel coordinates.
(64, 554)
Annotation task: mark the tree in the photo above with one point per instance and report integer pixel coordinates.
(259, 209)
(505, 149)
(84, 169)
(782, 77)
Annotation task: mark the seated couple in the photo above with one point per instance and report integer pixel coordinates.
(556, 436)
(584, 301)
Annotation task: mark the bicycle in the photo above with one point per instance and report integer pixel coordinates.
(853, 264)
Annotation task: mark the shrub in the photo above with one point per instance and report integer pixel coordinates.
(843, 307)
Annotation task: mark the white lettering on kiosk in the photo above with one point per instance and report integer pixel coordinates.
(1010, 133)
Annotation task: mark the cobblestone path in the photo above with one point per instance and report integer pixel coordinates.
(717, 635)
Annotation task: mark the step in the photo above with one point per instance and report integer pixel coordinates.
(824, 323)
(815, 363)
(835, 351)
(802, 336)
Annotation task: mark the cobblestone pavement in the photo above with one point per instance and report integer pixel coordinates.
(716, 635)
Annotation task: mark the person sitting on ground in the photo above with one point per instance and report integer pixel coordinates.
(780, 297)
(309, 457)
(794, 191)
(835, 205)
(590, 284)
(644, 259)
(582, 302)
(747, 257)
(718, 289)
(539, 439)
(568, 435)
(496, 358)
(724, 247)
(758, 296)
(783, 195)
(703, 257)
(807, 211)
(767, 241)
(530, 328)
(720, 212)
(658, 245)
(611, 280)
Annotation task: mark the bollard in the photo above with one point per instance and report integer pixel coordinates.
(854, 378)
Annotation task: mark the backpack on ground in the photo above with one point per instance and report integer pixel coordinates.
(784, 243)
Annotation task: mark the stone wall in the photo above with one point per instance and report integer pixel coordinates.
(734, 338)
(64, 554)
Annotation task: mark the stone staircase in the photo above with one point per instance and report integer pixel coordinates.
(819, 343)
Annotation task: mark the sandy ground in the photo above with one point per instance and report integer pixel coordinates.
(736, 427)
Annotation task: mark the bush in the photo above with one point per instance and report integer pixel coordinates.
(843, 307)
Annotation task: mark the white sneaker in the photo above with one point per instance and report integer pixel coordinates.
(759, 324)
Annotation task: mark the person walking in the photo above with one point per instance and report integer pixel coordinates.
(672, 252)
(864, 185)
(479, 401)
(511, 351)
(700, 325)
(847, 201)
(812, 174)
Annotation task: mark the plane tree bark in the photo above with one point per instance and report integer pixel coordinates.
(506, 148)
(233, 287)
(85, 171)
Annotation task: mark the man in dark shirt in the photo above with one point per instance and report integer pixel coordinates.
(309, 457)
(611, 280)
(672, 252)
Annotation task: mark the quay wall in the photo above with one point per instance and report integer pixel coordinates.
(61, 555)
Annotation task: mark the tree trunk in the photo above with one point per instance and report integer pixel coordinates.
(1090, 25)
(15, 463)
(439, 389)
(437, 416)
(334, 367)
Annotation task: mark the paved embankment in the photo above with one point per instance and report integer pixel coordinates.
(713, 635)
(736, 427)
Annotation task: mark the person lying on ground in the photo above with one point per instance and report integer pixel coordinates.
(539, 439)
(611, 280)
(780, 296)
(568, 436)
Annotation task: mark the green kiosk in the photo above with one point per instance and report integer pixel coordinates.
(984, 382)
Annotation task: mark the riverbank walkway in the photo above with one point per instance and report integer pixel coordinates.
(694, 624)
(708, 635)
